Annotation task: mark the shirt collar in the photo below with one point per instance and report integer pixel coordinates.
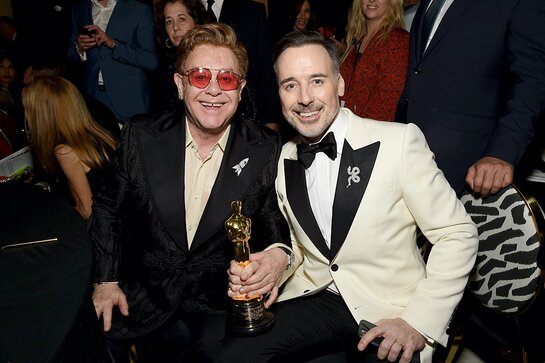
(111, 3)
(222, 142)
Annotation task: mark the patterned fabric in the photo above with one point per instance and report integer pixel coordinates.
(373, 86)
(505, 277)
(134, 246)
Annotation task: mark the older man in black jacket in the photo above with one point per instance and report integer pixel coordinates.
(158, 224)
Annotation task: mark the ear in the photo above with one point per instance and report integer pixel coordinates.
(242, 85)
(179, 80)
(340, 86)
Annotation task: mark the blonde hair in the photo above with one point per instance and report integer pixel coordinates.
(56, 114)
(215, 34)
(357, 24)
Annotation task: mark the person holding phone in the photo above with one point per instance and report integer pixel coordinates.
(114, 62)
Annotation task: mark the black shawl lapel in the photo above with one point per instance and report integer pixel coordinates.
(163, 159)
(296, 191)
(452, 15)
(348, 196)
(228, 185)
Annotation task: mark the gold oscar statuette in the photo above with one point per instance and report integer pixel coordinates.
(249, 316)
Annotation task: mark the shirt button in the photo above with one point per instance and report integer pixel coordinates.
(417, 71)
(334, 267)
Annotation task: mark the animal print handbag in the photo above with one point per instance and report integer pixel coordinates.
(506, 277)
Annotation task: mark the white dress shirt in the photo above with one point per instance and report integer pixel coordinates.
(216, 7)
(321, 178)
(440, 16)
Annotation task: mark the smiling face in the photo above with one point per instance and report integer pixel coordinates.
(309, 89)
(209, 110)
(302, 18)
(7, 72)
(375, 10)
(177, 21)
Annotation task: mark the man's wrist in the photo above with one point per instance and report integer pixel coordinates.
(105, 283)
(79, 50)
(289, 254)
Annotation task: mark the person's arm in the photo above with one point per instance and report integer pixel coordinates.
(525, 100)
(443, 220)
(266, 268)
(105, 227)
(76, 173)
(143, 54)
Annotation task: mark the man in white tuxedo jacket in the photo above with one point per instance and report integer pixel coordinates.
(354, 192)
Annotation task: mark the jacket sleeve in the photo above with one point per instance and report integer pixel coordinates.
(526, 98)
(105, 224)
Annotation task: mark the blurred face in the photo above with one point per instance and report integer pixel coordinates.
(303, 17)
(309, 90)
(209, 109)
(177, 21)
(7, 73)
(375, 10)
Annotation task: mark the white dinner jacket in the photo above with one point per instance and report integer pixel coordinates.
(374, 259)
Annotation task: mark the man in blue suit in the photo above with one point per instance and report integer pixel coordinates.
(114, 41)
(476, 85)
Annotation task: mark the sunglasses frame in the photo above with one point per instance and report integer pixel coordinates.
(238, 77)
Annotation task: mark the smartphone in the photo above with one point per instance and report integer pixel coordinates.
(87, 32)
(365, 326)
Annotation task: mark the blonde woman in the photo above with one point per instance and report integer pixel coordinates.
(374, 64)
(65, 139)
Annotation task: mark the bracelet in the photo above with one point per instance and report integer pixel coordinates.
(105, 283)
(290, 256)
(78, 49)
(115, 44)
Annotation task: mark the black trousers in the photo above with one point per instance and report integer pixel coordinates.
(305, 328)
(183, 339)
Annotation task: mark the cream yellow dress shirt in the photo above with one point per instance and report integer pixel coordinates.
(200, 176)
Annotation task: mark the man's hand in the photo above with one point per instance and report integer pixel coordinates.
(399, 338)
(100, 36)
(105, 297)
(260, 277)
(85, 42)
(488, 175)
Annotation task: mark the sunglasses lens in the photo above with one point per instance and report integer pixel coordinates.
(199, 78)
(228, 81)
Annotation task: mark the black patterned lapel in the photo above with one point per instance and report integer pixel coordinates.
(354, 173)
(296, 191)
(241, 165)
(163, 158)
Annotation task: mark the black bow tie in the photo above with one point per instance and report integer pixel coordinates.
(307, 153)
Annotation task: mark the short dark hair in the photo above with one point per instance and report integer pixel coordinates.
(297, 39)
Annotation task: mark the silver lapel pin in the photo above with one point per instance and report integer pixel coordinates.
(353, 175)
(238, 168)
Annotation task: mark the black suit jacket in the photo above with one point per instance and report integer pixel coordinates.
(480, 85)
(249, 20)
(138, 222)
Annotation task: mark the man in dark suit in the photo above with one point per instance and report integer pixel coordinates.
(158, 224)
(249, 19)
(114, 42)
(476, 85)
